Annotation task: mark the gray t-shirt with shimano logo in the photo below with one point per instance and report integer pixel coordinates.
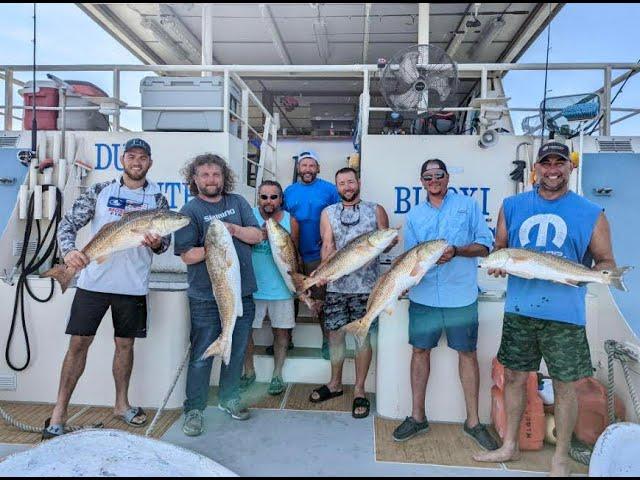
(232, 208)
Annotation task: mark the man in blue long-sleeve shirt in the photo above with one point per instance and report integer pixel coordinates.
(447, 297)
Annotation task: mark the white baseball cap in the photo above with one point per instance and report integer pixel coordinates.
(308, 154)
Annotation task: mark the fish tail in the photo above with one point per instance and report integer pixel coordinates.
(62, 273)
(221, 347)
(359, 329)
(299, 281)
(314, 305)
(616, 278)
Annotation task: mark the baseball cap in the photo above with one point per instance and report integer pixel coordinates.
(440, 163)
(138, 143)
(553, 148)
(308, 154)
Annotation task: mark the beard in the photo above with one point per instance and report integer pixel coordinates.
(304, 176)
(553, 188)
(210, 191)
(349, 196)
(136, 175)
(269, 210)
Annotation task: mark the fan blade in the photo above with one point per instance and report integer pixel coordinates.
(408, 71)
(440, 84)
(405, 101)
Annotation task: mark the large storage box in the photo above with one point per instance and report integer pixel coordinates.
(185, 92)
(90, 120)
(46, 95)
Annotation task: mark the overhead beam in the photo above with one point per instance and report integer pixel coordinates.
(164, 38)
(103, 16)
(275, 33)
(423, 23)
(529, 31)
(365, 40)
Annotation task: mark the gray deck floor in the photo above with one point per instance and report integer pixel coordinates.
(297, 443)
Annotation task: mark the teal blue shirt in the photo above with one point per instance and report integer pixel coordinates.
(271, 285)
(460, 222)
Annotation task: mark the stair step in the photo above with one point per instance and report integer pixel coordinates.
(301, 352)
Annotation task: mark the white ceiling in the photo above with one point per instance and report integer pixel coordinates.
(241, 35)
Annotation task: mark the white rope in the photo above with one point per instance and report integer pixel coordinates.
(169, 392)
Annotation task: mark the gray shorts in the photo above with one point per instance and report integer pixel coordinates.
(343, 308)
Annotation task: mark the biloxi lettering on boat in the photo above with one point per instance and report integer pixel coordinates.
(406, 197)
(108, 157)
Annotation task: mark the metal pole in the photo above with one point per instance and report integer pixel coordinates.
(225, 110)
(207, 37)
(116, 95)
(606, 120)
(483, 83)
(8, 99)
(423, 23)
(364, 114)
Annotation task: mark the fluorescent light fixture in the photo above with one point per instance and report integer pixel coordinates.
(320, 34)
(488, 35)
(189, 42)
(164, 38)
(275, 34)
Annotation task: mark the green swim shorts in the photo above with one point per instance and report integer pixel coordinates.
(564, 347)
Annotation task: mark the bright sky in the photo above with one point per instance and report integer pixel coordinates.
(579, 33)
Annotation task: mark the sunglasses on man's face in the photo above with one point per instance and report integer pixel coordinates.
(271, 197)
(429, 177)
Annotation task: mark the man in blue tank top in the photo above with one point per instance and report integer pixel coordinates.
(273, 297)
(305, 200)
(544, 319)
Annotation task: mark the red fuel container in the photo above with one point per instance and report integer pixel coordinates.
(592, 409)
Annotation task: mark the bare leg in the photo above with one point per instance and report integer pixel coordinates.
(72, 369)
(249, 368)
(122, 366)
(420, 368)
(280, 346)
(566, 413)
(470, 379)
(515, 399)
(363, 361)
(337, 347)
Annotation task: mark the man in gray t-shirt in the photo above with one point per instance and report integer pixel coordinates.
(211, 182)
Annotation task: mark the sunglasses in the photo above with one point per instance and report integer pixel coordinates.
(271, 197)
(437, 176)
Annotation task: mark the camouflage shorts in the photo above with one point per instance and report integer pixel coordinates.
(343, 308)
(564, 347)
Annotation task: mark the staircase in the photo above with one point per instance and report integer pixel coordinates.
(304, 363)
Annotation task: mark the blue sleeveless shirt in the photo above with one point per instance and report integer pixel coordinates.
(271, 285)
(561, 227)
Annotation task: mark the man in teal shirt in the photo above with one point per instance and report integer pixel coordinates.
(447, 297)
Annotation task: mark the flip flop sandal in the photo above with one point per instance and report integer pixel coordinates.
(51, 431)
(323, 394)
(128, 416)
(360, 402)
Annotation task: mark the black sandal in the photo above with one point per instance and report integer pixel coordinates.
(360, 402)
(323, 394)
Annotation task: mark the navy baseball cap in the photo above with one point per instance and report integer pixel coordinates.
(138, 143)
(553, 148)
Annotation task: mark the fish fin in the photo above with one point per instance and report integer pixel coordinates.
(526, 275)
(616, 278)
(221, 347)
(417, 271)
(103, 258)
(389, 310)
(62, 273)
(299, 281)
(567, 282)
(359, 329)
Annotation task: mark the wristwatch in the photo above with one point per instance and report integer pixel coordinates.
(455, 251)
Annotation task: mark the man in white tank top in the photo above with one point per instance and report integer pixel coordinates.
(346, 299)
